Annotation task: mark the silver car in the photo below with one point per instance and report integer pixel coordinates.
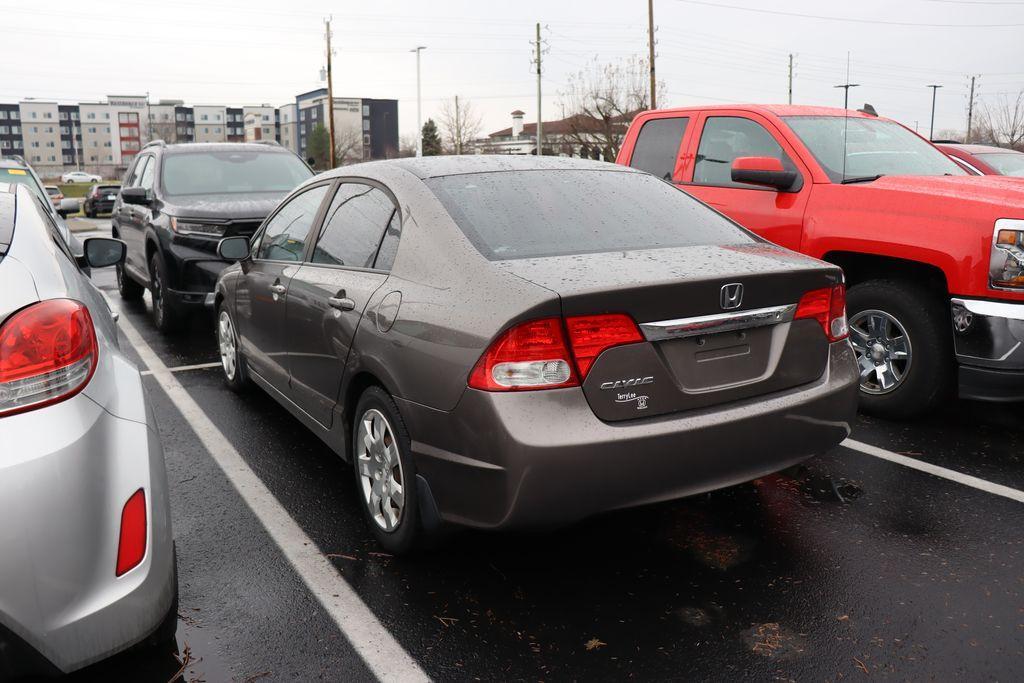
(87, 562)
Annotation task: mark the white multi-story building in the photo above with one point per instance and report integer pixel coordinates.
(210, 123)
(289, 119)
(99, 136)
(40, 129)
(260, 119)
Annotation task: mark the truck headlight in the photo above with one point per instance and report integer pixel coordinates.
(1006, 267)
(189, 228)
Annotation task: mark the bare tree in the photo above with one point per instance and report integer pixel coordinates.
(460, 125)
(348, 146)
(163, 130)
(599, 102)
(1002, 122)
(407, 146)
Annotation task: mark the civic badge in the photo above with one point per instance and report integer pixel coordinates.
(732, 296)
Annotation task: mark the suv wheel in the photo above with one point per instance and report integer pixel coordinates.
(236, 374)
(903, 341)
(385, 476)
(165, 317)
(129, 289)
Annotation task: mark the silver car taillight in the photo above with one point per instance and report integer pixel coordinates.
(1006, 265)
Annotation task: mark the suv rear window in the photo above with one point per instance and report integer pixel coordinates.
(195, 173)
(530, 214)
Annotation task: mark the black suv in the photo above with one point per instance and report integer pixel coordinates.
(178, 201)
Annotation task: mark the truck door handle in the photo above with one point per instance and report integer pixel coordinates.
(341, 303)
(278, 289)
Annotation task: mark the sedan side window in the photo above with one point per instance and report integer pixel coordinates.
(353, 227)
(131, 179)
(284, 238)
(725, 138)
(657, 146)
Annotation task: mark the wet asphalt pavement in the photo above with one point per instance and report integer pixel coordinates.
(849, 567)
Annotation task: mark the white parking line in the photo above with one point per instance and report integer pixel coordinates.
(377, 647)
(184, 368)
(951, 475)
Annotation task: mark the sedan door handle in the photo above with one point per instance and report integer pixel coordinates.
(341, 303)
(278, 289)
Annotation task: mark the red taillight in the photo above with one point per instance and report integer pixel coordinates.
(531, 355)
(589, 335)
(131, 547)
(828, 307)
(48, 352)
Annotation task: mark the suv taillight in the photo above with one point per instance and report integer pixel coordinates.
(539, 354)
(48, 352)
(828, 307)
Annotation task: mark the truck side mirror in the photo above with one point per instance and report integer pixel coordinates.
(767, 171)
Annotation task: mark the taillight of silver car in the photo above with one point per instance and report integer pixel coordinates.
(828, 307)
(550, 353)
(1006, 265)
(48, 353)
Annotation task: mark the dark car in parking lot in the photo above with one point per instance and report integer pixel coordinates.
(100, 199)
(511, 342)
(177, 201)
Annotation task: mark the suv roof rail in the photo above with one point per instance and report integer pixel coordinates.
(946, 142)
(17, 158)
(154, 143)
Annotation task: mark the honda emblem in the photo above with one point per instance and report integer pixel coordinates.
(732, 296)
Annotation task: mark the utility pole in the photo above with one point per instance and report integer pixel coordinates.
(330, 95)
(846, 92)
(419, 103)
(931, 129)
(540, 120)
(970, 111)
(458, 132)
(650, 48)
(791, 78)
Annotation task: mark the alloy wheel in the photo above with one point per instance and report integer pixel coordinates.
(226, 341)
(884, 351)
(380, 469)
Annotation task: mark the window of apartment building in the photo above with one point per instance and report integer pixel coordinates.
(33, 115)
(206, 131)
(50, 144)
(35, 129)
(5, 130)
(34, 144)
(74, 116)
(92, 157)
(65, 130)
(314, 113)
(217, 130)
(107, 143)
(191, 131)
(67, 158)
(366, 110)
(181, 130)
(110, 157)
(91, 115)
(179, 116)
(216, 117)
(366, 124)
(53, 158)
(95, 144)
(204, 117)
(3, 114)
(48, 115)
(106, 115)
(5, 144)
(92, 129)
(65, 144)
(15, 130)
(302, 128)
(266, 117)
(49, 129)
(36, 158)
(266, 130)
(63, 116)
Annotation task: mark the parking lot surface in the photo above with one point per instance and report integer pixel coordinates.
(852, 565)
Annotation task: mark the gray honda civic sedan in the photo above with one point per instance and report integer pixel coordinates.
(502, 342)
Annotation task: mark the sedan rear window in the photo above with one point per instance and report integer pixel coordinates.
(530, 214)
(195, 173)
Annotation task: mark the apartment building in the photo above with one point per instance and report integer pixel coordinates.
(103, 137)
(40, 130)
(211, 123)
(11, 141)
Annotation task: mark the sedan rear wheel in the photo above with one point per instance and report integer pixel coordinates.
(385, 476)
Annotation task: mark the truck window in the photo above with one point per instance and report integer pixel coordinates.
(725, 138)
(657, 146)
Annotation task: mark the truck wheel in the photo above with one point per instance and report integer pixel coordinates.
(165, 317)
(385, 475)
(904, 346)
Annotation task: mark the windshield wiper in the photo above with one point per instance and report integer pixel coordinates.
(862, 179)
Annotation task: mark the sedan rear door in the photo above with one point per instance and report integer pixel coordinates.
(328, 294)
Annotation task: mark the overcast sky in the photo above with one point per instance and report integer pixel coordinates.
(255, 51)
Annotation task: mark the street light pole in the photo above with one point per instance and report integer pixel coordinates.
(931, 129)
(419, 103)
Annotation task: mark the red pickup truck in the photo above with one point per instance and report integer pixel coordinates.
(934, 258)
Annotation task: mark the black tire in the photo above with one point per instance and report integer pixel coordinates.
(165, 317)
(928, 379)
(129, 289)
(407, 533)
(239, 382)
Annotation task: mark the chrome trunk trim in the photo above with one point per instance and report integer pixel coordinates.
(720, 322)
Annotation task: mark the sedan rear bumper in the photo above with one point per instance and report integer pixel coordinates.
(503, 460)
(62, 492)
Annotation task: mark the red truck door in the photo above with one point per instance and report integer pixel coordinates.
(706, 166)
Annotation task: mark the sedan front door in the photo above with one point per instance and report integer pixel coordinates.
(328, 295)
(262, 291)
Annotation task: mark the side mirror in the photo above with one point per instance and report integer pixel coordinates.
(233, 248)
(101, 252)
(766, 171)
(68, 206)
(136, 195)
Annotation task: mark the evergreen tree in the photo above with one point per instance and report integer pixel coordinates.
(318, 146)
(431, 139)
